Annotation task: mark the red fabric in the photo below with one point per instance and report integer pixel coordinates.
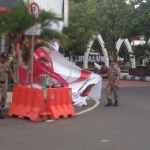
(41, 67)
(84, 75)
(22, 76)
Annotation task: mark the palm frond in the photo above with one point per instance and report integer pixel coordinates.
(41, 43)
(17, 21)
(64, 41)
(45, 17)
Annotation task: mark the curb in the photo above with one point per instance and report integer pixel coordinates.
(134, 78)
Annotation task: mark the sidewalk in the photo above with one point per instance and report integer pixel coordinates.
(126, 76)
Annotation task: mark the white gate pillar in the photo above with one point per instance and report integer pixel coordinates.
(86, 54)
(129, 48)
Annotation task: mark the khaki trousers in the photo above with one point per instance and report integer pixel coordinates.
(3, 94)
(110, 88)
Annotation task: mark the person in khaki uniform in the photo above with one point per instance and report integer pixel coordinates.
(113, 83)
(5, 70)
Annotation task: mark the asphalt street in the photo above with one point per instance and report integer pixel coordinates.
(126, 127)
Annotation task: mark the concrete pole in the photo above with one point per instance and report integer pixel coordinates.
(3, 43)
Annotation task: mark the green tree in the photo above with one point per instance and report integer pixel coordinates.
(97, 47)
(81, 24)
(142, 15)
(113, 19)
(123, 53)
(106, 17)
(138, 24)
(113, 22)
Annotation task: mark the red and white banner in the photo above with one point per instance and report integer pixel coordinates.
(84, 84)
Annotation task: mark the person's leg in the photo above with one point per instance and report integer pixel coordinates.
(3, 98)
(108, 95)
(1, 106)
(116, 95)
(3, 102)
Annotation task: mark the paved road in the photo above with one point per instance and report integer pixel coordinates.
(126, 127)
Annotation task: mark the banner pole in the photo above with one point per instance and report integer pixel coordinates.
(32, 55)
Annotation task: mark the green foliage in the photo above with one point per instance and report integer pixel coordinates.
(42, 43)
(96, 46)
(91, 17)
(142, 51)
(113, 22)
(113, 19)
(123, 53)
(143, 18)
(15, 22)
(45, 17)
(81, 25)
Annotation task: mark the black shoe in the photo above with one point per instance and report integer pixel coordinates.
(2, 116)
(116, 103)
(109, 103)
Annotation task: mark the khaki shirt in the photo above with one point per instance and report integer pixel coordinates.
(113, 73)
(4, 69)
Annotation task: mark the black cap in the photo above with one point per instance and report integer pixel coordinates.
(4, 55)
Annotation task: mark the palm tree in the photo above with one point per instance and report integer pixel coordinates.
(16, 21)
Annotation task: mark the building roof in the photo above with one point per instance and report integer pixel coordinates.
(11, 3)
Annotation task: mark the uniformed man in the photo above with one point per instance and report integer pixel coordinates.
(5, 70)
(113, 83)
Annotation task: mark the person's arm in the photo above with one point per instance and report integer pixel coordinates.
(13, 77)
(10, 73)
(104, 75)
(118, 77)
(117, 80)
